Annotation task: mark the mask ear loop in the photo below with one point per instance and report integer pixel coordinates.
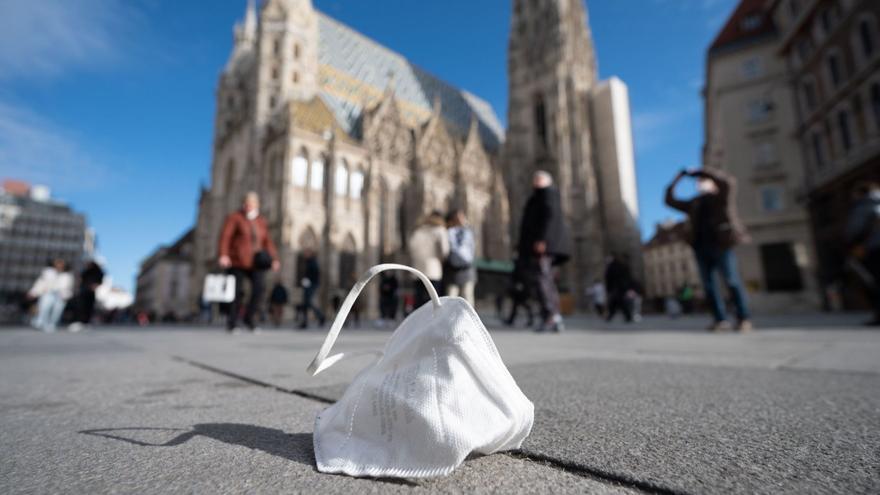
(322, 361)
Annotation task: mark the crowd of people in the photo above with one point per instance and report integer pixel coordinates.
(57, 302)
(443, 247)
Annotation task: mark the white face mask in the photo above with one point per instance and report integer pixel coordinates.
(438, 392)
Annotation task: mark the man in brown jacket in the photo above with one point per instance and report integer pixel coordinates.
(247, 251)
(715, 229)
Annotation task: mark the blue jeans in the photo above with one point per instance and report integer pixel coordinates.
(710, 262)
(49, 309)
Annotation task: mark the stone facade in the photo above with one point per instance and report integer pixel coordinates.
(831, 50)
(348, 144)
(163, 281)
(555, 123)
(670, 264)
(749, 122)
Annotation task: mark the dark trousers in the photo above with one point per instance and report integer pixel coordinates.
(519, 300)
(422, 296)
(257, 280)
(388, 305)
(85, 305)
(710, 263)
(308, 303)
(872, 264)
(619, 302)
(541, 279)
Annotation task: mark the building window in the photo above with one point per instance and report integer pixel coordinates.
(759, 111)
(296, 51)
(751, 22)
(843, 123)
(274, 73)
(781, 272)
(818, 150)
(866, 39)
(357, 184)
(808, 89)
(300, 171)
(765, 153)
(875, 103)
(341, 179)
(272, 102)
(316, 179)
(771, 199)
(752, 68)
(804, 50)
(541, 120)
(276, 47)
(835, 71)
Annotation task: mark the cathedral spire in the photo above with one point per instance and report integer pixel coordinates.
(250, 20)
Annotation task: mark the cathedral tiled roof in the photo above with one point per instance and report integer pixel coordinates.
(355, 70)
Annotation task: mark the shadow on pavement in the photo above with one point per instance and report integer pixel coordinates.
(296, 447)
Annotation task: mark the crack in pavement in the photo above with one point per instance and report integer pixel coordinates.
(597, 475)
(253, 381)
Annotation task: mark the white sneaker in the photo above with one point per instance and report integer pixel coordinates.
(75, 327)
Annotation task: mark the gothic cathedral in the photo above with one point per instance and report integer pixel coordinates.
(349, 144)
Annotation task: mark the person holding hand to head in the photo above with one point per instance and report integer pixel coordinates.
(715, 229)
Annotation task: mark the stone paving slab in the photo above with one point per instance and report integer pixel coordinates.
(105, 421)
(681, 411)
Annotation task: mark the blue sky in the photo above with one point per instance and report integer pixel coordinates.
(111, 102)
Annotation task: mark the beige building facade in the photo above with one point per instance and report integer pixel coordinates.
(670, 264)
(163, 281)
(348, 145)
(831, 49)
(749, 122)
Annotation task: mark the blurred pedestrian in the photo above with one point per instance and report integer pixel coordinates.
(672, 307)
(309, 281)
(459, 273)
(389, 300)
(52, 289)
(247, 252)
(715, 229)
(863, 239)
(278, 299)
(686, 298)
(598, 297)
(519, 294)
(544, 242)
(84, 306)
(619, 282)
(428, 248)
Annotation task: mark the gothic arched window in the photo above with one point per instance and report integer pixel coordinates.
(541, 120)
(845, 127)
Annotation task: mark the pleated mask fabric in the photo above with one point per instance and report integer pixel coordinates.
(438, 392)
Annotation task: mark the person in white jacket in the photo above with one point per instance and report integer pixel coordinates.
(428, 248)
(53, 289)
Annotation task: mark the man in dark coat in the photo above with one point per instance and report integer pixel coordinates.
(715, 229)
(619, 282)
(84, 307)
(543, 243)
(309, 280)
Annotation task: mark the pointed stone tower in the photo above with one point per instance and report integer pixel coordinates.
(551, 70)
(288, 55)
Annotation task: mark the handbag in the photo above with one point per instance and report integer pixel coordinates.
(219, 288)
(437, 392)
(262, 260)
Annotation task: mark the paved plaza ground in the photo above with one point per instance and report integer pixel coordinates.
(661, 407)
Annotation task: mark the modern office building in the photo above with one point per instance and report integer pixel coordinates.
(34, 229)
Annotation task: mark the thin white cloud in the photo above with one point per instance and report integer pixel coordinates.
(654, 127)
(36, 150)
(44, 38)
